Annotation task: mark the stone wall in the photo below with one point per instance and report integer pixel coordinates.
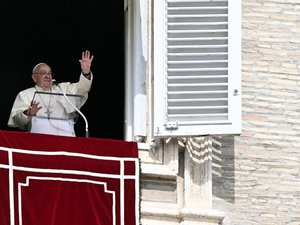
(256, 176)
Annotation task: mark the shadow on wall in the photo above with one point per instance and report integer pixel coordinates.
(223, 169)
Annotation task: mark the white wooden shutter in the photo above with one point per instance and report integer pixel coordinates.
(197, 71)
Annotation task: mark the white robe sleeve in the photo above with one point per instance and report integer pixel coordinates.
(82, 87)
(17, 118)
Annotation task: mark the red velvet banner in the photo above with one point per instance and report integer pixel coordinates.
(56, 180)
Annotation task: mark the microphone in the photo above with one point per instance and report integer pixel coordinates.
(85, 120)
(54, 82)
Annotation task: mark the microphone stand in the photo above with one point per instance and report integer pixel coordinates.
(85, 120)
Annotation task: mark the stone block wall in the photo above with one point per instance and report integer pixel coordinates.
(256, 176)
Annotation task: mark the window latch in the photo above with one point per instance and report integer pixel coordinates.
(172, 125)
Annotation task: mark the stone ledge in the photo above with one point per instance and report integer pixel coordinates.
(170, 212)
(200, 214)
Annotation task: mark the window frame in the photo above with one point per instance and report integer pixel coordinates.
(145, 112)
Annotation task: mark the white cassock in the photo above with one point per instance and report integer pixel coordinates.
(57, 114)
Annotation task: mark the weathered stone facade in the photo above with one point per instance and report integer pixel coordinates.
(256, 176)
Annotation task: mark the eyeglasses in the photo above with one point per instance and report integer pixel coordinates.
(44, 73)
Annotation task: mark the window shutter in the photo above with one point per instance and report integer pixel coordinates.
(197, 71)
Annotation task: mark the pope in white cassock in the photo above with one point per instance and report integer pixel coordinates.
(44, 108)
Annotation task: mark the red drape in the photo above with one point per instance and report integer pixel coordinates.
(56, 180)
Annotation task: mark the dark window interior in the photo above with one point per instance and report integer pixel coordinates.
(56, 32)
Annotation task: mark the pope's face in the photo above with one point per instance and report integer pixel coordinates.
(43, 77)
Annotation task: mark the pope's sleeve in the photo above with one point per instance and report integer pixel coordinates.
(82, 87)
(17, 117)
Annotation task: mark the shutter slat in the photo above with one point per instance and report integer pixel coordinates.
(197, 44)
